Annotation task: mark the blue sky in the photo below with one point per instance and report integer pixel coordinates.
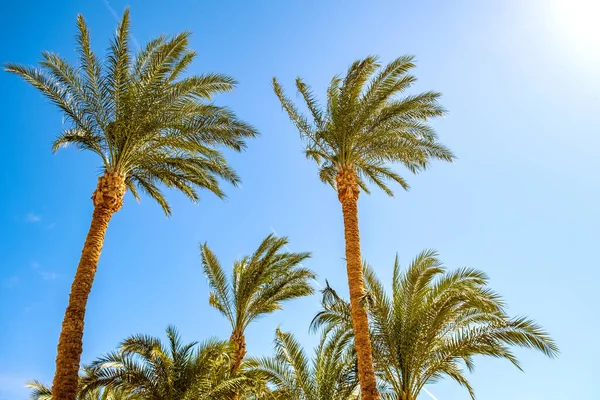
(520, 81)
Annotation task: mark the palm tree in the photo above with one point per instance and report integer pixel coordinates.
(259, 284)
(149, 127)
(149, 369)
(363, 128)
(433, 325)
(330, 375)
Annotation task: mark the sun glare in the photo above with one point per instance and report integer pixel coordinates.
(579, 21)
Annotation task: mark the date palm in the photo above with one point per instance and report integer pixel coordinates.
(292, 376)
(152, 370)
(364, 128)
(259, 284)
(149, 127)
(433, 325)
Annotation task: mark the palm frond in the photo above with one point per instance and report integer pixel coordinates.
(220, 295)
(39, 391)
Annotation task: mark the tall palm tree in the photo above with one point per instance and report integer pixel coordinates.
(149, 126)
(330, 375)
(363, 128)
(152, 370)
(433, 325)
(259, 284)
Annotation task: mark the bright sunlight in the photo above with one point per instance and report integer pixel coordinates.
(579, 21)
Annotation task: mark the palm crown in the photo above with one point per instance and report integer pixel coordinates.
(330, 375)
(148, 368)
(433, 325)
(259, 283)
(148, 124)
(364, 126)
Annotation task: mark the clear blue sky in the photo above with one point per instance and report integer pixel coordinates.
(521, 82)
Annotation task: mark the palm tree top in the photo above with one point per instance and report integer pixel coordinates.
(331, 374)
(434, 323)
(365, 126)
(259, 283)
(144, 119)
(148, 368)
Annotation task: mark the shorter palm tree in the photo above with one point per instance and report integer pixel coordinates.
(332, 374)
(259, 284)
(433, 325)
(151, 370)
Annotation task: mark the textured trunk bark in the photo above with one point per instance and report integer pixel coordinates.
(108, 199)
(238, 342)
(348, 190)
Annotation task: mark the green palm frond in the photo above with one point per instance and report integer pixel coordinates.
(220, 297)
(367, 125)
(141, 116)
(335, 312)
(39, 391)
(288, 351)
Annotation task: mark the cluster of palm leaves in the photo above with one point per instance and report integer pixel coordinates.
(145, 368)
(429, 325)
(152, 126)
(432, 325)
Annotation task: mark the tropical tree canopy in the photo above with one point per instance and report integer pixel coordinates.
(152, 370)
(148, 122)
(365, 125)
(259, 283)
(293, 376)
(433, 324)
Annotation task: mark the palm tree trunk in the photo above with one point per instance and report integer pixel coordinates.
(108, 199)
(238, 343)
(348, 190)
